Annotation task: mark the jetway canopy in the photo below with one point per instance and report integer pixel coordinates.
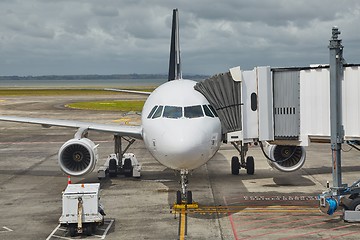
(243, 101)
(224, 94)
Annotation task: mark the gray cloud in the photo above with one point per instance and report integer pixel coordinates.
(127, 36)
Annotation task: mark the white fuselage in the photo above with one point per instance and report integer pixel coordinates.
(179, 128)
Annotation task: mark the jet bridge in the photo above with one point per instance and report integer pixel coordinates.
(284, 107)
(288, 108)
(243, 101)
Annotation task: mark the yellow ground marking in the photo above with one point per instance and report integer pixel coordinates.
(122, 120)
(182, 227)
(193, 205)
(2, 100)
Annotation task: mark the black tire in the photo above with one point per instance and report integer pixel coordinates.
(128, 168)
(88, 230)
(355, 205)
(72, 231)
(112, 168)
(189, 197)
(250, 165)
(93, 228)
(178, 197)
(235, 165)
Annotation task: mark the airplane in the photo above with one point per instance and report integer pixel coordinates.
(179, 127)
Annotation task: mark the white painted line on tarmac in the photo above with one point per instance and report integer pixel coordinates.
(95, 236)
(53, 232)
(6, 229)
(56, 236)
(107, 229)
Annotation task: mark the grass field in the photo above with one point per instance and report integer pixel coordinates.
(111, 105)
(62, 92)
(105, 105)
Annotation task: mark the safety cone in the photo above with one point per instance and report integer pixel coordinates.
(69, 179)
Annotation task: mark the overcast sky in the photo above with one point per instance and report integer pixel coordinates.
(132, 36)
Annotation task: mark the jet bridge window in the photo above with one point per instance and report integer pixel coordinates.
(193, 111)
(172, 112)
(207, 111)
(158, 112)
(152, 112)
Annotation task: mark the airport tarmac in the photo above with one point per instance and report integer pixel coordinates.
(267, 205)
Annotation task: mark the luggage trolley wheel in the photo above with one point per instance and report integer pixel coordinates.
(355, 204)
(72, 231)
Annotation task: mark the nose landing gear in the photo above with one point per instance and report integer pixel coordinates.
(184, 197)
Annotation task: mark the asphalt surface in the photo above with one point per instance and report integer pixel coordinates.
(267, 205)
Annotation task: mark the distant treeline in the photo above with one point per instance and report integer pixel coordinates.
(96, 76)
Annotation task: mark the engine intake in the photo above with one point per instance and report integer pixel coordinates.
(78, 157)
(287, 158)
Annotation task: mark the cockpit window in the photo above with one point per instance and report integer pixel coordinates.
(207, 111)
(193, 111)
(213, 111)
(152, 112)
(158, 112)
(172, 112)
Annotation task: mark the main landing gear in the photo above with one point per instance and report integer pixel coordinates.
(183, 196)
(120, 162)
(236, 165)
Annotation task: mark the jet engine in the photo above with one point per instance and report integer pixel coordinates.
(78, 157)
(286, 158)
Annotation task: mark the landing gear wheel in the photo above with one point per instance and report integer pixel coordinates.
(235, 165)
(128, 168)
(189, 197)
(178, 197)
(250, 165)
(112, 168)
(355, 205)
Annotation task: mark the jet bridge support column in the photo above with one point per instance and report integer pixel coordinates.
(337, 129)
(339, 194)
(330, 200)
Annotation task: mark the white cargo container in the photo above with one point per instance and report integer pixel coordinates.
(81, 208)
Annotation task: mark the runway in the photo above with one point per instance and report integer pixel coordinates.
(267, 205)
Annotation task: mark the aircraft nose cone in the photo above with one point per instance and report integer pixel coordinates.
(181, 142)
(182, 149)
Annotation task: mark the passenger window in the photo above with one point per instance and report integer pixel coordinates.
(158, 112)
(193, 111)
(172, 112)
(207, 111)
(152, 112)
(213, 110)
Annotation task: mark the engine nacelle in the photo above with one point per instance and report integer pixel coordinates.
(286, 158)
(78, 157)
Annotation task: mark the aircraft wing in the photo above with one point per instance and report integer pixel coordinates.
(123, 130)
(127, 91)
